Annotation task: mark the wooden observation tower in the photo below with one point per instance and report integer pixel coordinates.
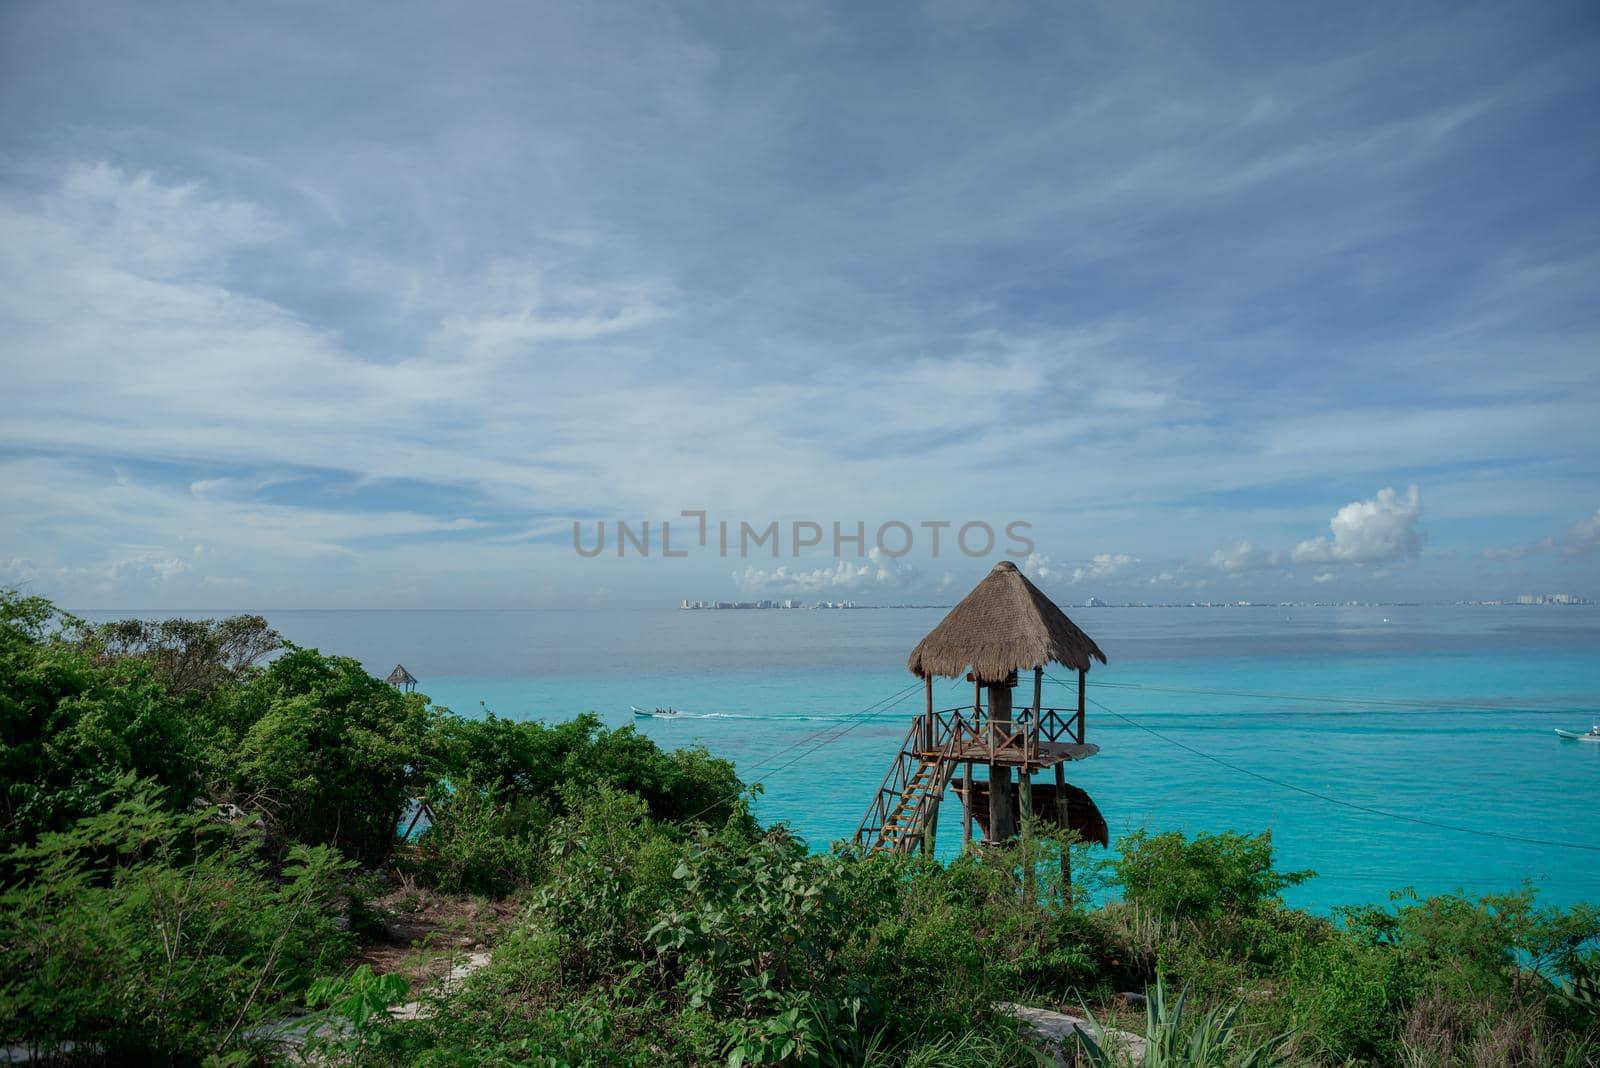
(1003, 627)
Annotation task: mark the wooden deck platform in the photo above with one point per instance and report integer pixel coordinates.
(1047, 755)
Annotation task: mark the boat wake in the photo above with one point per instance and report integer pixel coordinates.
(781, 717)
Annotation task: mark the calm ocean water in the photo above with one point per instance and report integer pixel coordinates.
(1437, 714)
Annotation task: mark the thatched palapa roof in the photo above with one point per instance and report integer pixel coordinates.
(400, 677)
(1005, 624)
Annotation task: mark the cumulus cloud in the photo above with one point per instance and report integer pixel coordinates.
(876, 572)
(1041, 568)
(1103, 565)
(1380, 531)
(1582, 536)
(1243, 555)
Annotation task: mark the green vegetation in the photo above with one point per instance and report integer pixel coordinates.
(196, 845)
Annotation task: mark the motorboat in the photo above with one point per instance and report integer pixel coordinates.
(655, 713)
(1592, 735)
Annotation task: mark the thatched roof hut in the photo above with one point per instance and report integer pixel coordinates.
(1004, 625)
(401, 677)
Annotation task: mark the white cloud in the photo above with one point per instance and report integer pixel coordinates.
(1242, 555)
(1520, 552)
(877, 572)
(1103, 566)
(1380, 531)
(1582, 537)
(1041, 568)
(1322, 578)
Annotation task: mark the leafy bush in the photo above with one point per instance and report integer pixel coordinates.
(479, 844)
(1202, 878)
(329, 753)
(1499, 944)
(643, 944)
(352, 1023)
(143, 933)
(529, 759)
(70, 727)
(504, 781)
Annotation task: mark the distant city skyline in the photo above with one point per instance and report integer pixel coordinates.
(366, 306)
(795, 604)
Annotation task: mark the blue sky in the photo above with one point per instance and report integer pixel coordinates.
(365, 305)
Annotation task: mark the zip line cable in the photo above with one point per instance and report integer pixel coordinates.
(1356, 805)
(1358, 702)
(1396, 702)
(873, 711)
(827, 734)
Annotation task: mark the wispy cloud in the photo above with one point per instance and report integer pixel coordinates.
(1151, 288)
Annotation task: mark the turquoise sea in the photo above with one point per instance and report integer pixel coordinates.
(1442, 715)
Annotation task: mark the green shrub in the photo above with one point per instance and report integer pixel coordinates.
(502, 781)
(1350, 999)
(144, 934)
(70, 727)
(478, 844)
(1498, 944)
(515, 760)
(329, 753)
(1201, 878)
(1444, 976)
(353, 1023)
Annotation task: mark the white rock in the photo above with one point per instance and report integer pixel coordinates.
(1058, 1030)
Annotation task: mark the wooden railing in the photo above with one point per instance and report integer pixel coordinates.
(1022, 732)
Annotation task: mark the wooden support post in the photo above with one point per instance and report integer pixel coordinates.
(1064, 818)
(1038, 705)
(1002, 817)
(1025, 818)
(930, 834)
(1082, 676)
(977, 710)
(966, 809)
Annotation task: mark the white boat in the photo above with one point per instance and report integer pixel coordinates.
(1593, 735)
(651, 714)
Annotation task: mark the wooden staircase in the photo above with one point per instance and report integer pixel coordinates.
(903, 831)
(898, 818)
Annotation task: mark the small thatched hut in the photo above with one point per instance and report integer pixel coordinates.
(402, 679)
